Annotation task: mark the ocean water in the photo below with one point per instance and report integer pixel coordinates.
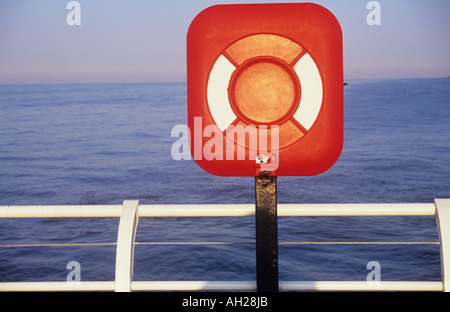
(102, 144)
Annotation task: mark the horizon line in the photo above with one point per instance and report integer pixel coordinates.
(182, 82)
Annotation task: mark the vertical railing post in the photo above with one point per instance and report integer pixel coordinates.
(266, 222)
(125, 245)
(443, 224)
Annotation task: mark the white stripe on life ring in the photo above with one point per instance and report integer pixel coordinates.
(311, 96)
(217, 93)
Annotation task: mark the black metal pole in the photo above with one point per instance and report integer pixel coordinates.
(266, 233)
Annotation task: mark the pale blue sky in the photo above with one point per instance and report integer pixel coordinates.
(144, 40)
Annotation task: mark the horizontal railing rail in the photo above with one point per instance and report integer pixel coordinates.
(228, 210)
(130, 212)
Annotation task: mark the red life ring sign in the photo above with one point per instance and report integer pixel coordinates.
(265, 89)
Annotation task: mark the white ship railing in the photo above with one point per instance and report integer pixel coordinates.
(130, 212)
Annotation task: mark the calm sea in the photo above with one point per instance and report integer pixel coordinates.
(101, 144)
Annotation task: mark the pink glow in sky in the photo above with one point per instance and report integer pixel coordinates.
(144, 41)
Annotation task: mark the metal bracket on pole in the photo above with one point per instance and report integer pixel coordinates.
(125, 245)
(443, 224)
(266, 233)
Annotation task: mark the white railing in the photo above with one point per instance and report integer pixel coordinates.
(130, 212)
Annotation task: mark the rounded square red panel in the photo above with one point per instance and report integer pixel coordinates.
(265, 89)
